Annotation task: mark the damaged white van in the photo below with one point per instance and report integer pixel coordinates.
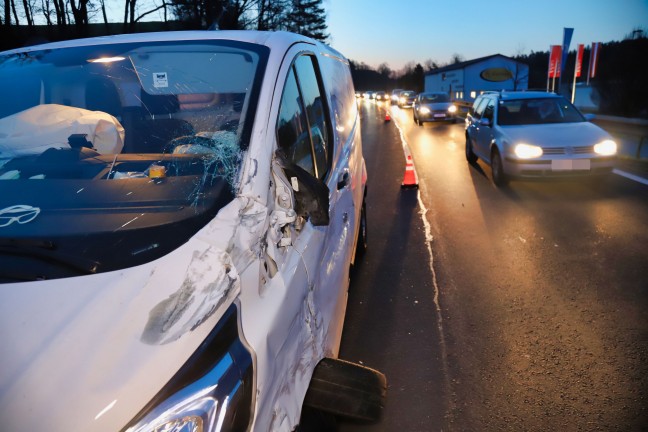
(178, 215)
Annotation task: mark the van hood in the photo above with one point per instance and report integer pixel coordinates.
(556, 135)
(88, 353)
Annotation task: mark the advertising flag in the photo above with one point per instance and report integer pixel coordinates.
(594, 54)
(579, 59)
(554, 61)
(567, 36)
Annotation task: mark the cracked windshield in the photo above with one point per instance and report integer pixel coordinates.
(121, 142)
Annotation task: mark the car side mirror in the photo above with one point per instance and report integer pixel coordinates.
(311, 194)
(590, 117)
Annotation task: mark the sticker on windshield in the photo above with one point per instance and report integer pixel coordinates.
(160, 80)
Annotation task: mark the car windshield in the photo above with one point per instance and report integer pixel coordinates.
(114, 155)
(435, 97)
(537, 111)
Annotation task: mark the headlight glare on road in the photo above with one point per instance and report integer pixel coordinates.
(527, 151)
(424, 110)
(452, 109)
(606, 148)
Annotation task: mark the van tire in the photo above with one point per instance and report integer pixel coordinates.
(347, 390)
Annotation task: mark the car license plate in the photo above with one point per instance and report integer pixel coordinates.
(439, 115)
(570, 164)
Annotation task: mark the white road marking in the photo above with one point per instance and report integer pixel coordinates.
(631, 176)
(429, 238)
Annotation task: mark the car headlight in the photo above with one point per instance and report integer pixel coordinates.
(452, 109)
(424, 110)
(527, 151)
(402, 100)
(213, 391)
(606, 148)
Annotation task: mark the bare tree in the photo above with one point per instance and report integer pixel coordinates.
(80, 12)
(15, 13)
(271, 14)
(46, 10)
(456, 58)
(430, 64)
(7, 12)
(59, 8)
(27, 10)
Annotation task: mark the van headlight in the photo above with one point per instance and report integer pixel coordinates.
(213, 391)
(606, 148)
(527, 151)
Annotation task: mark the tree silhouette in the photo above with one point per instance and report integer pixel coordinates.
(307, 17)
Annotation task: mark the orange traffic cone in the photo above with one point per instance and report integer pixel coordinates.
(387, 116)
(410, 180)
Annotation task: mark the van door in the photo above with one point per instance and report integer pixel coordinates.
(325, 249)
(305, 251)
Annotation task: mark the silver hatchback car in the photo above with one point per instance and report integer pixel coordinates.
(535, 135)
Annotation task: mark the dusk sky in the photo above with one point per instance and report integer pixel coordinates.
(398, 32)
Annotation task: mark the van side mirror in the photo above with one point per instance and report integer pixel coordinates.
(312, 198)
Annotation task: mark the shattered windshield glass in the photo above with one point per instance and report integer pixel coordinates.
(114, 155)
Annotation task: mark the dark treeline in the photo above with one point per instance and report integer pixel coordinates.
(410, 77)
(620, 79)
(24, 22)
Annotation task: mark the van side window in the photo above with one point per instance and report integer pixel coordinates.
(303, 130)
(292, 132)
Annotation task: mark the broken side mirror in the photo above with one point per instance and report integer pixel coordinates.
(311, 194)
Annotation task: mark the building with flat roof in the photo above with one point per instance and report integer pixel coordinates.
(466, 80)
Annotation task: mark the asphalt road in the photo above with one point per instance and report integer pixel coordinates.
(490, 309)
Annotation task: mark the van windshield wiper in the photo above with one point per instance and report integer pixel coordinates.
(45, 251)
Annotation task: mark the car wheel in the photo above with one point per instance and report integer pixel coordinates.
(497, 168)
(471, 157)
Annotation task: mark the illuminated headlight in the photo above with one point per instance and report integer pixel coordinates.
(606, 148)
(403, 100)
(424, 110)
(211, 392)
(527, 151)
(452, 109)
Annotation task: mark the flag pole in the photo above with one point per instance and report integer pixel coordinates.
(589, 65)
(549, 69)
(574, 86)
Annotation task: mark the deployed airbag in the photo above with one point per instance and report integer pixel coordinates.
(42, 127)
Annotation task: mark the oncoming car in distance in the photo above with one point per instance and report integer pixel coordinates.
(433, 107)
(406, 98)
(178, 215)
(381, 96)
(394, 96)
(535, 135)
